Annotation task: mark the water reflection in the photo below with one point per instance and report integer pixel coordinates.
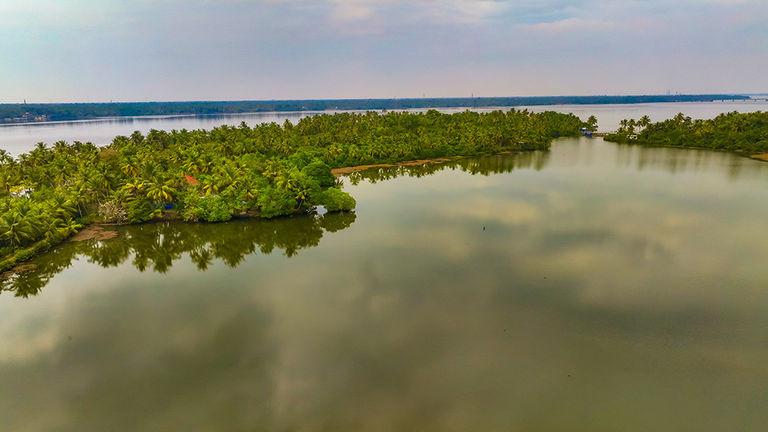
(157, 246)
(578, 290)
(485, 165)
(586, 154)
(688, 161)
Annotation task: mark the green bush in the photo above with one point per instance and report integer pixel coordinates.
(211, 208)
(321, 172)
(139, 210)
(275, 202)
(214, 209)
(24, 254)
(334, 199)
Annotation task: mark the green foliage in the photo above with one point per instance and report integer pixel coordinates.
(275, 202)
(320, 172)
(210, 208)
(591, 123)
(744, 133)
(269, 169)
(139, 210)
(334, 199)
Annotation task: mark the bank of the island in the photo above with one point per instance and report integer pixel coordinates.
(742, 133)
(268, 170)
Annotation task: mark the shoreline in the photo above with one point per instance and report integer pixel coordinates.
(239, 107)
(342, 171)
(101, 231)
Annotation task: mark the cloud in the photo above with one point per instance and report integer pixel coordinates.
(376, 48)
(353, 10)
(573, 24)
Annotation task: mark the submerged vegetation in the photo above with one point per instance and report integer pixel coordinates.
(743, 133)
(268, 170)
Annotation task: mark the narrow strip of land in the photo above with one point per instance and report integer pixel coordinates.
(338, 172)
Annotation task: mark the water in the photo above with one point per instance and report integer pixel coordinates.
(595, 287)
(17, 139)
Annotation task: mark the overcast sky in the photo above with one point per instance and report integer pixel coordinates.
(101, 50)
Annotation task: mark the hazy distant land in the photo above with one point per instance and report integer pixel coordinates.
(32, 113)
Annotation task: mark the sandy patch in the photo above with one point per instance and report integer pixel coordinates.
(94, 232)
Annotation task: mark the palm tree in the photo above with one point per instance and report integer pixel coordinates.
(133, 188)
(160, 192)
(16, 229)
(69, 227)
(210, 186)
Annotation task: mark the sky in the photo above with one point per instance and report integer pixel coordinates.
(145, 50)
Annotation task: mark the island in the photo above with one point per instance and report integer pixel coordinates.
(266, 171)
(742, 133)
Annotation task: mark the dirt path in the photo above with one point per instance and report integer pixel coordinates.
(94, 232)
(349, 170)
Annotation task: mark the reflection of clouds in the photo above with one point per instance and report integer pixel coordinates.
(487, 209)
(25, 339)
(138, 358)
(639, 233)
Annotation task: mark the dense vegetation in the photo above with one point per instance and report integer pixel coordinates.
(76, 111)
(744, 133)
(268, 170)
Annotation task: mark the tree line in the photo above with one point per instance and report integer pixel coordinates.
(743, 133)
(79, 111)
(266, 171)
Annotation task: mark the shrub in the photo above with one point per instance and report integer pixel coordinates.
(320, 171)
(276, 202)
(139, 210)
(335, 199)
(211, 208)
(214, 208)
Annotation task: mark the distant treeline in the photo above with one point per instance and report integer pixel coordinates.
(744, 133)
(79, 111)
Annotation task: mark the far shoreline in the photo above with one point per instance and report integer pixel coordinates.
(14, 114)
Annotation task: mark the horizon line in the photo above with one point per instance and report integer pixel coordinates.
(381, 98)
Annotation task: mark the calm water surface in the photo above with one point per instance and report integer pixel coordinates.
(595, 287)
(17, 139)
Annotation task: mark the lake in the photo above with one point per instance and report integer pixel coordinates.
(17, 139)
(594, 287)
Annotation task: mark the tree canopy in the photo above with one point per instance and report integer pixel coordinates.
(744, 133)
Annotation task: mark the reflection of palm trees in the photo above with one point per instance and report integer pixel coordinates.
(158, 246)
(202, 257)
(109, 253)
(484, 165)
